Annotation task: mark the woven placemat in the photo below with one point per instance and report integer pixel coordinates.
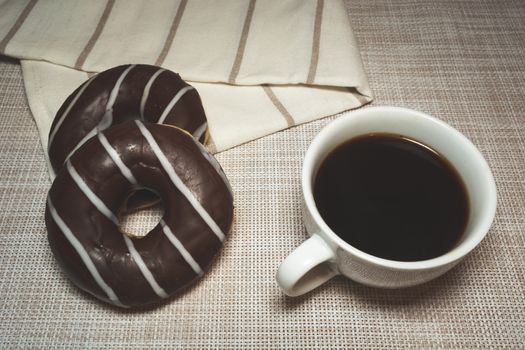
(460, 61)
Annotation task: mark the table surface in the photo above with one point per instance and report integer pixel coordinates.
(461, 61)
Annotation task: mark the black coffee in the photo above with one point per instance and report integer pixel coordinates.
(392, 197)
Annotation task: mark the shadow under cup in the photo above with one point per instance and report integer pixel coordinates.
(437, 135)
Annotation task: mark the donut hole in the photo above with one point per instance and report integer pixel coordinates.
(140, 213)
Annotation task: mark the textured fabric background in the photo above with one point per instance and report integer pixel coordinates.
(462, 61)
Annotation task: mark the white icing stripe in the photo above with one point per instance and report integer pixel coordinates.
(178, 182)
(144, 269)
(89, 135)
(107, 118)
(93, 198)
(215, 165)
(114, 92)
(116, 159)
(81, 251)
(172, 103)
(177, 244)
(147, 88)
(66, 112)
(200, 130)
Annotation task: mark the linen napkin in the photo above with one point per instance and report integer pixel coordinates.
(259, 66)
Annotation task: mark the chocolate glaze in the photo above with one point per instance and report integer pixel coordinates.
(102, 239)
(81, 113)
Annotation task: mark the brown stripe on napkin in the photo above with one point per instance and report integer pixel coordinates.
(316, 41)
(20, 20)
(96, 34)
(242, 43)
(280, 107)
(172, 32)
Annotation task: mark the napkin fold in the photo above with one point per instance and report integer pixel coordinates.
(259, 66)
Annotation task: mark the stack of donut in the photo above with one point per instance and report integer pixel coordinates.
(127, 129)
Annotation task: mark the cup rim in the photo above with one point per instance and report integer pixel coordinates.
(456, 253)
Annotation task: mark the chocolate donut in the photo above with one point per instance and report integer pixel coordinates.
(82, 213)
(119, 94)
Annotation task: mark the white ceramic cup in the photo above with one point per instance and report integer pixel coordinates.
(325, 255)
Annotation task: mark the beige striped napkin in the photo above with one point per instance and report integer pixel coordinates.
(259, 66)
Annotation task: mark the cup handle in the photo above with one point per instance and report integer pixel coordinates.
(307, 267)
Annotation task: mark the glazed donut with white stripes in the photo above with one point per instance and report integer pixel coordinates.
(83, 206)
(128, 92)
